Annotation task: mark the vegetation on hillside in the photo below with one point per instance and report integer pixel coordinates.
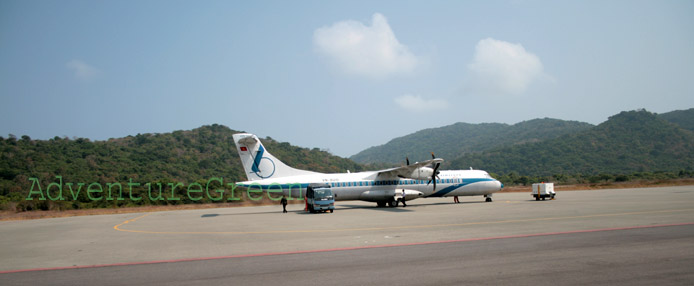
(633, 145)
(179, 157)
(454, 140)
(627, 143)
(683, 118)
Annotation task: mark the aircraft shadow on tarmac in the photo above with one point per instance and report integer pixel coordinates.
(254, 213)
(301, 212)
(409, 208)
(348, 207)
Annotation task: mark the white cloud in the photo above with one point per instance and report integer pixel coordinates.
(371, 51)
(81, 69)
(416, 103)
(500, 67)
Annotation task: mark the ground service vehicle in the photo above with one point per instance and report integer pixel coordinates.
(543, 190)
(319, 197)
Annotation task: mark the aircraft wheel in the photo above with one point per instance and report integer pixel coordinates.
(393, 203)
(489, 200)
(331, 211)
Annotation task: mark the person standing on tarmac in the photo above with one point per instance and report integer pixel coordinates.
(284, 204)
(455, 199)
(403, 199)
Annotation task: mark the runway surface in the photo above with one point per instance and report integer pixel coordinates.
(627, 236)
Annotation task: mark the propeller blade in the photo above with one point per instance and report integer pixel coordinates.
(435, 174)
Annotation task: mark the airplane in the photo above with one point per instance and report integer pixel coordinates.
(384, 187)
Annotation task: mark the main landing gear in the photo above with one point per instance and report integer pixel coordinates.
(392, 203)
(488, 198)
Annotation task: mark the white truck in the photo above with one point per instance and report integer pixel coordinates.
(543, 190)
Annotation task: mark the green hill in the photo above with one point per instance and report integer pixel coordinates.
(452, 141)
(634, 141)
(683, 118)
(181, 156)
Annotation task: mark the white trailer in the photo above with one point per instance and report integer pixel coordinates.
(543, 190)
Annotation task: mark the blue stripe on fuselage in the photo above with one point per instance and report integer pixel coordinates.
(275, 186)
(446, 190)
(439, 193)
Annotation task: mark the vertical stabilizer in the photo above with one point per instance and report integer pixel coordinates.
(258, 163)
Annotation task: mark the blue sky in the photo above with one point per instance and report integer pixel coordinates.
(341, 76)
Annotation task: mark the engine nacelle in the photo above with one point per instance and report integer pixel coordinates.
(408, 194)
(388, 195)
(422, 173)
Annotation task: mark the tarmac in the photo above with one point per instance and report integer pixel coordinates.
(621, 236)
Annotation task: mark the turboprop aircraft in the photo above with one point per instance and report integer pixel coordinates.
(388, 186)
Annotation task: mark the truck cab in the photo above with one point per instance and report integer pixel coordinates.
(319, 197)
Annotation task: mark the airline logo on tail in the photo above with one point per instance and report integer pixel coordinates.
(260, 164)
(269, 168)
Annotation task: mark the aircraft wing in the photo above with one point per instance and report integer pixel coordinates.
(406, 171)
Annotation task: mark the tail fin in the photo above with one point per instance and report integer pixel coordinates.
(258, 163)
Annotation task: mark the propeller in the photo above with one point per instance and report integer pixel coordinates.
(435, 174)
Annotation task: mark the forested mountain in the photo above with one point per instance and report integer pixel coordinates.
(452, 141)
(627, 143)
(683, 118)
(181, 156)
(633, 141)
